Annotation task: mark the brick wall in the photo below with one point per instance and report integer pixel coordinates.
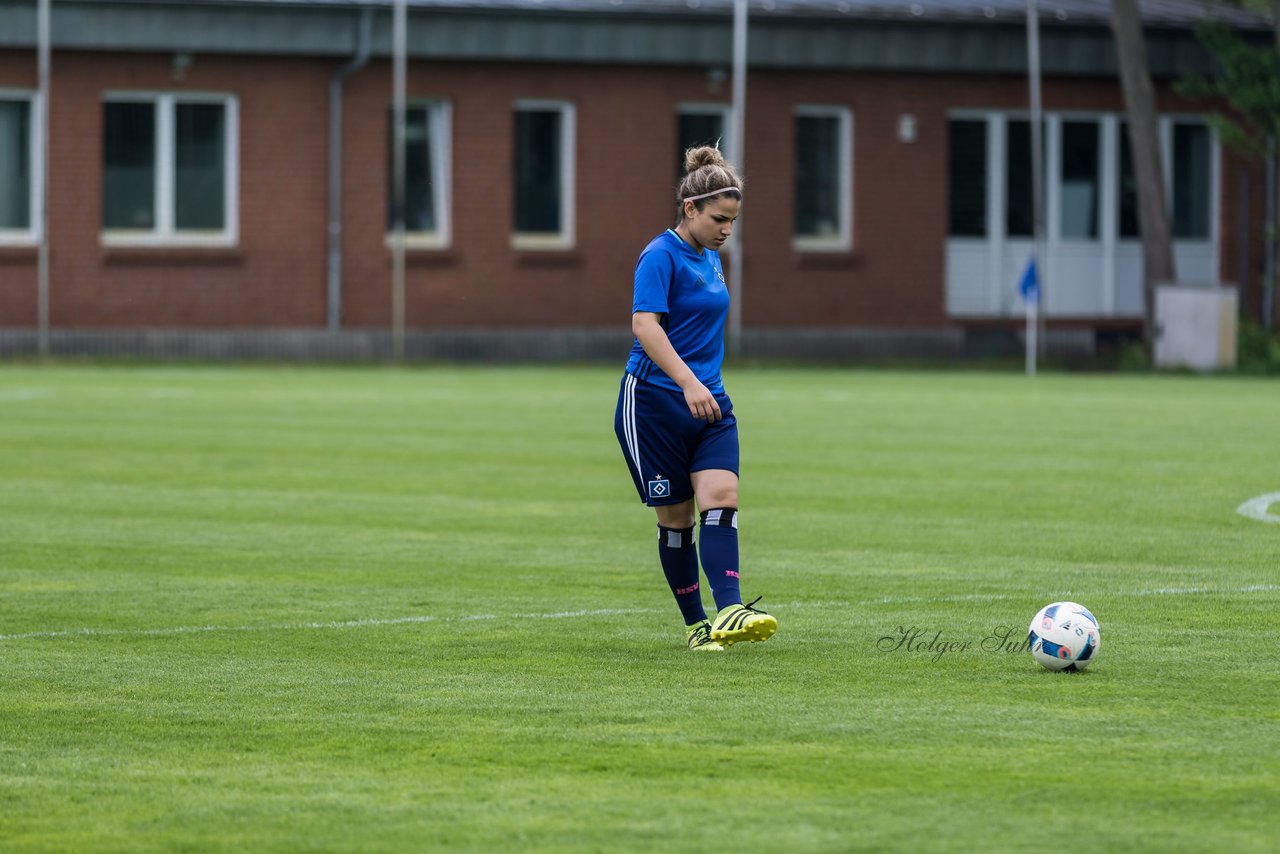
(626, 132)
(275, 277)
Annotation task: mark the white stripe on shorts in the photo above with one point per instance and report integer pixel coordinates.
(629, 423)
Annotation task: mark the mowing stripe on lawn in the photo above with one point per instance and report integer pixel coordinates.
(561, 615)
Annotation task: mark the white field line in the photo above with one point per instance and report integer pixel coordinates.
(1061, 594)
(597, 612)
(24, 393)
(337, 624)
(1256, 508)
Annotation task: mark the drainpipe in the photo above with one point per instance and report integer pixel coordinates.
(361, 58)
(44, 51)
(1269, 260)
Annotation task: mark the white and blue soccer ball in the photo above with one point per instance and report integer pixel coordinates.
(1064, 636)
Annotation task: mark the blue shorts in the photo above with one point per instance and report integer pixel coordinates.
(664, 444)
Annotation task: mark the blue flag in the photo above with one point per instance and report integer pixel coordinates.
(1029, 285)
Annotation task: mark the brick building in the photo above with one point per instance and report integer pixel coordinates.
(887, 205)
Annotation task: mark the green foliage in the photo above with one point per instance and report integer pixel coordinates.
(1132, 358)
(304, 609)
(1258, 350)
(1266, 7)
(1249, 85)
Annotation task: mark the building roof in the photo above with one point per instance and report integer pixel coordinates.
(925, 36)
(1155, 13)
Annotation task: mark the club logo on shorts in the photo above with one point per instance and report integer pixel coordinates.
(659, 487)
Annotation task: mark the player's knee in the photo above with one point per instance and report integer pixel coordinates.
(676, 515)
(719, 496)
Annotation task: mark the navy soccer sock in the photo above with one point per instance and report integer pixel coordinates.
(719, 537)
(679, 558)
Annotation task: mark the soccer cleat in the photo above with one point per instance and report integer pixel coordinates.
(743, 623)
(700, 638)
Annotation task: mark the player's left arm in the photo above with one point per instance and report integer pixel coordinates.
(647, 327)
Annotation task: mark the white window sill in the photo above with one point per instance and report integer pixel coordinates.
(821, 244)
(541, 242)
(420, 240)
(146, 240)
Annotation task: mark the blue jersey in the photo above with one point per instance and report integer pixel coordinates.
(688, 289)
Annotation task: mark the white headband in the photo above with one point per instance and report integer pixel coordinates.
(737, 190)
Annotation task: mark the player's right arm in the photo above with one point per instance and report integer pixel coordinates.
(647, 327)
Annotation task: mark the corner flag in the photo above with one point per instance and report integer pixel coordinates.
(1029, 284)
(1029, 287)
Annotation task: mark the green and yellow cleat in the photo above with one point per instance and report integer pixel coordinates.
(700, 638)
(743, 623)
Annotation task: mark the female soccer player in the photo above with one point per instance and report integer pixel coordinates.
(674, 421)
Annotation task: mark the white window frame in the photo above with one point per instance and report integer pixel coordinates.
(29, 236)
(728, 144)
(1110, 245)
(564, 239)
(165, 233)
(843, 242)
(440, 133)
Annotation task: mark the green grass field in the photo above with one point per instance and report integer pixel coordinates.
(257, 608)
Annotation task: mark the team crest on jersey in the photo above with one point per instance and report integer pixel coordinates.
(659, 487)
(720, 275)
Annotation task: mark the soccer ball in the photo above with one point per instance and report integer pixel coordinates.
(1064, 636)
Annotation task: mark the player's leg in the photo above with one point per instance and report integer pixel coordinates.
(715, 486)
(716, 492)
(657, 460)
(679, 558)
(678, 555)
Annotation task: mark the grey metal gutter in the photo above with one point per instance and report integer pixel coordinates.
(364, 50)
(443, 32)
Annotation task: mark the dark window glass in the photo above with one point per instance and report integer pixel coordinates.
(419, 194)
(1128, 189)
(697, 129)
(1081, 184)
(1019, 218)
(1192, 162)
(200, 158)
(129, 165)
(967, 176)
(15, 164)
(537, 167)
(817, 187)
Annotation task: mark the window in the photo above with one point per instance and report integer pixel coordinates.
(1191, 194)
(1019, 208)
(426, 174)
(17, 175)
(1192, 181)
(1128, 189)
(967, 171)
(169, 169)
(701, 124)
(1081, 182)
(824, 178)
(543, 175)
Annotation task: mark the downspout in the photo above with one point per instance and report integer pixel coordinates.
(1269, 260)
(361, 58)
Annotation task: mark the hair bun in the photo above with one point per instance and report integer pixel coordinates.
(706, 155)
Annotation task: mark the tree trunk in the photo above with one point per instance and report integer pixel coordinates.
(1275, 21)
(1144, 141)
(1269, 295)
